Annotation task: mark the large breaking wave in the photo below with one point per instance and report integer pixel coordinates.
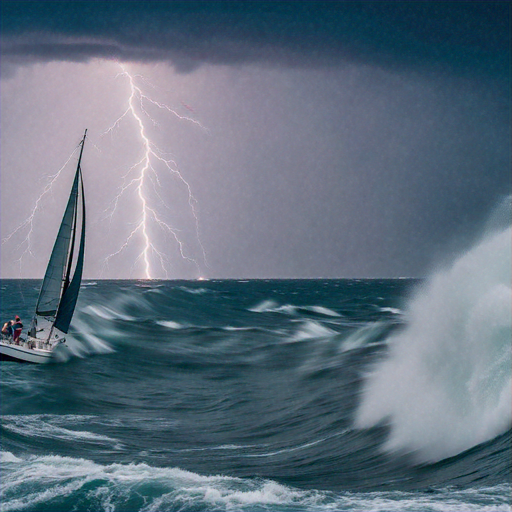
(445, 385)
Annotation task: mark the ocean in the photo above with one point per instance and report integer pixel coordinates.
(280, 395)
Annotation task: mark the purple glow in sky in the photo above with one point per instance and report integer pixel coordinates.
(305, 149)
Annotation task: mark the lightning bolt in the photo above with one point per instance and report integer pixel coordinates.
(28, 223)
(142, 175)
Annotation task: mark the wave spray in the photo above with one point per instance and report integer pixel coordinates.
(445, 385)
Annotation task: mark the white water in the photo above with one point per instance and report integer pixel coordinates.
(446, 383)
(270, 306)
(27, 482)
(310, 330)
(50, 426)
(170, 324)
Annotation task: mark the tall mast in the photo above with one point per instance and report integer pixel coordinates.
(70, 256)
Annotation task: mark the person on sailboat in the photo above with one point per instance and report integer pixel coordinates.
(7, 329)
(17, 328)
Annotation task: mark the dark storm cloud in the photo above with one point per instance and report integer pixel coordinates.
(460, 36)
(347, 138)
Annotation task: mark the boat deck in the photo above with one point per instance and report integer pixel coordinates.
(28, 350)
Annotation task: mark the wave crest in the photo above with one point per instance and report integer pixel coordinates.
(66, 483)
(446, 384)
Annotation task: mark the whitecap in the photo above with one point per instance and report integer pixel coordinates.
(49, 427)
(31, 481)
(323, 311)
(312, 330)
(107, 313)
(270, 306)
(193, 291)
(362, 337)
(170, 324)
(6, 457)
(394, 311)
(264, 307)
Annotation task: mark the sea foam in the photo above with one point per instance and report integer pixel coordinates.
(446, 383)
(66, 483)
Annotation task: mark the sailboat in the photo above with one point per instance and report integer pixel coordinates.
(60, 287)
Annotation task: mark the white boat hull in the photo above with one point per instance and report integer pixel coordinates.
(13, 352)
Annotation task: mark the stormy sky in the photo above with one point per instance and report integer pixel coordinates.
(313, 139)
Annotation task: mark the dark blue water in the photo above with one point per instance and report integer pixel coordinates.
(257, 395)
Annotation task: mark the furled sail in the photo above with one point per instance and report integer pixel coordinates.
(58, 295)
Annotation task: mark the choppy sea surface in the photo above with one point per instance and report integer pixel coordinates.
(298, 395)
